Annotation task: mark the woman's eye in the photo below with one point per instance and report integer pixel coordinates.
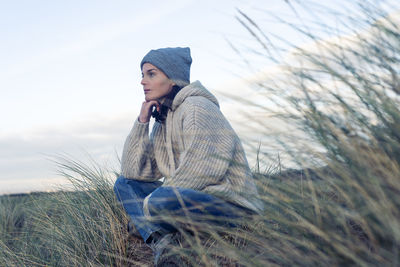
(151, 74)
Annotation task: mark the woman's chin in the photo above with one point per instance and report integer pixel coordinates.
(148, 98)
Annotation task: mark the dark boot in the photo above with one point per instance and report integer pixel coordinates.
(163, 250)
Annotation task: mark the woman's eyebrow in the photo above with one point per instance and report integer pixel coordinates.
(149, 70)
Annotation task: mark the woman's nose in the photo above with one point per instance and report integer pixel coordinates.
(142, 82)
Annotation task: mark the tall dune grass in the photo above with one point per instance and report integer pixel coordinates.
(79, 227)
(343, 95)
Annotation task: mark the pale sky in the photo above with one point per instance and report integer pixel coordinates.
(70, 76)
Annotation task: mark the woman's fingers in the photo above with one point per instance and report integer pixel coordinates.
(147, 107)
(153, 103)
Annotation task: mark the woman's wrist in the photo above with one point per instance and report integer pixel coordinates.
(143, 120)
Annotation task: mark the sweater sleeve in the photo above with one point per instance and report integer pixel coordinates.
(208, 140)
(138, 160)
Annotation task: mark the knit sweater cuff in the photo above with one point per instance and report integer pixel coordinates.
(139, 129)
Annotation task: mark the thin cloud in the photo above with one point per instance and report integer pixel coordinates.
(24, 159)
(90, 38)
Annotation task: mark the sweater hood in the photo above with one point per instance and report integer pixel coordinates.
(193, 89)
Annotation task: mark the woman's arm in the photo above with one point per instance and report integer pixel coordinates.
(138, 160)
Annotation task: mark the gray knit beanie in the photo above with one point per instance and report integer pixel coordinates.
(173, 61)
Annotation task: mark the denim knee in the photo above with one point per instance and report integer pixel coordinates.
(119, 183)
(157, 200)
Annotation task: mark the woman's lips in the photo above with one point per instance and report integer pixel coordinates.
(146, 91)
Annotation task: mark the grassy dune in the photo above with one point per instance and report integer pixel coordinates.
(81, 228)
(343, 94)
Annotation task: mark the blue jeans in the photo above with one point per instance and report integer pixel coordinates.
(175, 201)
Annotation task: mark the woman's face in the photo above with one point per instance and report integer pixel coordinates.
(156, 84)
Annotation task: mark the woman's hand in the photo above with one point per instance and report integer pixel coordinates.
(147, 108)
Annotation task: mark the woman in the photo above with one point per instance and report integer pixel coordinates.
(192, 146)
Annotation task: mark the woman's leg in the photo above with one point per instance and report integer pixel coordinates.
(172, 208)
(131, 193)
(193, 205)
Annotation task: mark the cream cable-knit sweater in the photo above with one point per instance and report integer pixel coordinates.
(194, 148)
